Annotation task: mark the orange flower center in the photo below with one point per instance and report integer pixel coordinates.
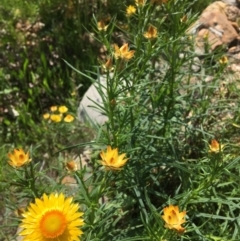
(111, 160)
(52, 224)
(21, 157)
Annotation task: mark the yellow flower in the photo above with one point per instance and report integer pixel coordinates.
(140, 2)
(112, 160)
(53, 108)
(71, 166)
(130, 10)
(19, 211)
(151, 32)
(108, 66)
(52, 218)
(183, 19)
(46, 116)
(215, 147)
(56, 118)
(173, 218)
(223, 60)
(101, 26)
(123, 52)
(18, 158)
(68, 118)
(62, 109)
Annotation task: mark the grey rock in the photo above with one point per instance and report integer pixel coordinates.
(89, 109)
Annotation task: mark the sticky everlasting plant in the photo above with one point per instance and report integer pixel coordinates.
(18, 158)
(215, 147)
(53, 217)
(173, 218)
(148, 171)
(112, 160)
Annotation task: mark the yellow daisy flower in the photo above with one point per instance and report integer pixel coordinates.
(123, 52)
(140, 2)
(112, 160)
(223, 60)
(46, 116)
(56, 118)
(108, 66)
(18, 158)
(183, 19)
(151, 33)
(52, 218)
(71, 166)
(215, 147)
(62, 109)
(130, 10)
(68, 118)
(53, 108)
(173, 218)
(101, 26)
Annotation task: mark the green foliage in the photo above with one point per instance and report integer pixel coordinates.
(161, 113)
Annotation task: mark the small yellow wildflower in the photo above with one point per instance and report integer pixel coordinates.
(215, 147)
(68, 118)
(53, 108)
(123, 52)
(112, 160)
(223, 60)
(130, 10)
(108, 66)
(71, 166)
(151, 33)
(101, 26)
(19, 211)
(56, 118)
(52, 217)
(173, 218)
(46, 116)
(18, 158)
(183, 19)
(62, 109)
(140, 3)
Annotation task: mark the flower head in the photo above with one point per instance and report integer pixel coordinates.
(46, 116)
(18, 158)
(52, 218)
(123, 52)
(112, 160)
(151, 32)
(215, 147)
(53, 108)
(56, 118)
(19, 211)
(62, 109)
(101, 26)
(108, 66)
(140, 2)
(173, 218)
(68, 118)
(183, 19)
(71, 166)
(223, 60)
(130, 10)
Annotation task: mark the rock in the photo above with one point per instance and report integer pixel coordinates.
(215, 26)
(89, 109)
